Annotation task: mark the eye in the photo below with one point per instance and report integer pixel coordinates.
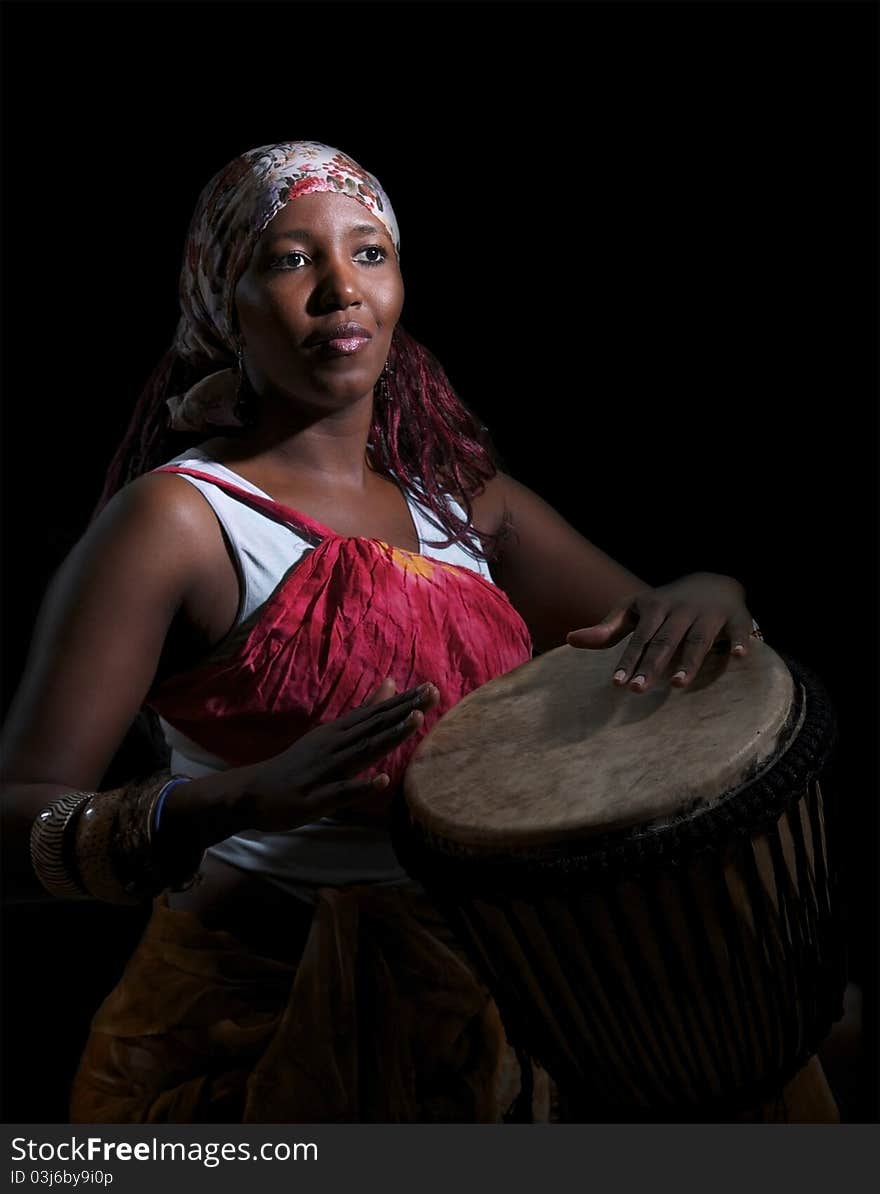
(292, 260)
(371, 255)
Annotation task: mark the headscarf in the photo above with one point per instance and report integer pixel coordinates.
(232, 212)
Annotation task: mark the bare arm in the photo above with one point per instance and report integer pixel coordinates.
(567, 590)
(555, 577)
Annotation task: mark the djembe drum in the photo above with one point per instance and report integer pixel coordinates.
(642, 880)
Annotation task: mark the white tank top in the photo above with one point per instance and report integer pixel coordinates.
(331, 851)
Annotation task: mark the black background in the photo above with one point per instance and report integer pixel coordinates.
(641, 238)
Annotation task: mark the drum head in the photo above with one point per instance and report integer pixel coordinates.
(554, 750)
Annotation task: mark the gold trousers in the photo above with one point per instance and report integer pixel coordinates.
(381, 1020)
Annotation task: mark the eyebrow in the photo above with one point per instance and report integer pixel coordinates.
(304, 234)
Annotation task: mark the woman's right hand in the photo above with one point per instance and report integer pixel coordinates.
(319, 773)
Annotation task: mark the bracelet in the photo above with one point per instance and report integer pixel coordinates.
(52, 845)
(176, 877)
(125, 862)
(96, 852)
(106, 845)
(159, 803)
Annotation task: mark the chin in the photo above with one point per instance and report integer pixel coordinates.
(345, 386)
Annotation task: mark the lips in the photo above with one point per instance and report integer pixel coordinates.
(343, 337)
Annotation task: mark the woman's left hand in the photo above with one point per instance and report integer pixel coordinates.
(690, 614)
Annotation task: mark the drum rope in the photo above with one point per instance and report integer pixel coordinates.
(663, 889)
(753, 1037)
(661, 1085)
(715, 997)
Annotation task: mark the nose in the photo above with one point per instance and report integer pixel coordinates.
(339, 284)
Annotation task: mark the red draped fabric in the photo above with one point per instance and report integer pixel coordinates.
(348, 613)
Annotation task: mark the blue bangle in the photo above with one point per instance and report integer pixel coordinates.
(160, 799)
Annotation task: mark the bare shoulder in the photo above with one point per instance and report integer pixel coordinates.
(162, 502)
(155, 537)
(159, 516)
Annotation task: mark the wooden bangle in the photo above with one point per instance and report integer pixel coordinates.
(95, 849)
(117, 856)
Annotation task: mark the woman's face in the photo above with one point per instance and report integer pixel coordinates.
(318, 302)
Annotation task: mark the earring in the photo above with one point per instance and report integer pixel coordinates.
(382, 386)
(246, 400)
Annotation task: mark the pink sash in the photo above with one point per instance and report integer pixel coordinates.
(350, 612)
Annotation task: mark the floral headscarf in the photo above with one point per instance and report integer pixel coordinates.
(232, 212)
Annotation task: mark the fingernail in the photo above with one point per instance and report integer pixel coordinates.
(381, 781)
(619, 677)
(639, 681)
(738, 649)
(680, 676)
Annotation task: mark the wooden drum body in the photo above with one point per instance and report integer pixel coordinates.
(643, 880)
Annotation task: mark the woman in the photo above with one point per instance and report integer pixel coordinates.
(296, 647)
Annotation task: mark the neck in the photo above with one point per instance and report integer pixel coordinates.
(329, 447)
